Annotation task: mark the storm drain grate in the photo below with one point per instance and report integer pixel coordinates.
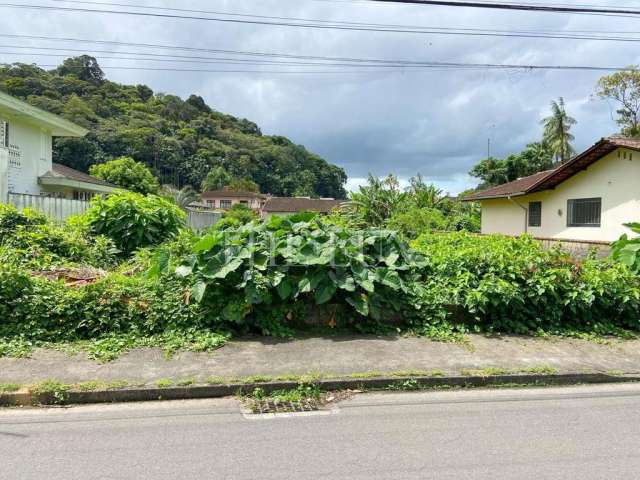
(273, 406)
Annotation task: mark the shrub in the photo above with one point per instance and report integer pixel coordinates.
(30, 240)
(11, 219)
(513, 285)
(234, 217)
(126, 173)
(627, 250)
(134, 221)
(260, 275)
(415, 221)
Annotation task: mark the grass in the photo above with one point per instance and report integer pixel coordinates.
(484, 372)
(110, 347)
(164, 383)
(9, 387)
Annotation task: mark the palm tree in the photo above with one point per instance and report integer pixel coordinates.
(182, 197)
(557, 135)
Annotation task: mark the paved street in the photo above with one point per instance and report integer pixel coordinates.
(565, 433)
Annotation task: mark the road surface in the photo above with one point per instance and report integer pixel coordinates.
(561, 433)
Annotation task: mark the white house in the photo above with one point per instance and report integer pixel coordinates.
(588, 198)
(26, 165)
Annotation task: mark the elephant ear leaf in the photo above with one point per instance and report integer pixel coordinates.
(198, 291)
(360, 303)
(325, 292)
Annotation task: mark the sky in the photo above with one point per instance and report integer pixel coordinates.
(377, 121)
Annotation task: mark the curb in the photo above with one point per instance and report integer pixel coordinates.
(141, 394)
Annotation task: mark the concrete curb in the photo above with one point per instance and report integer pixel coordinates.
(141, 394)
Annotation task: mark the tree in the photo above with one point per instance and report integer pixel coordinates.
(624, 88)
(378, 200)
(425, 195)
(536, 157)
(126, 173)
(183, 197)
(244, 185)
(83, 67)
(216, 179)
(182, 139)
(556, 134)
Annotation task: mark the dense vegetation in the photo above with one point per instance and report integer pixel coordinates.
(181, 140)
(420, 208)
(127, 274)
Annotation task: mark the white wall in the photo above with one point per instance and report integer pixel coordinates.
(29, 156)
(613, 178)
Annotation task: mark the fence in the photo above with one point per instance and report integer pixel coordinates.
(199, 220)
(59, 209)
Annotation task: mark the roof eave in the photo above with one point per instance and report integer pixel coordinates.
(58, 126)
(47, 181)
(492, 197)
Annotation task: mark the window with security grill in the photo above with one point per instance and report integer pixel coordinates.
(584, 212)
(535, 214)
(225, 203)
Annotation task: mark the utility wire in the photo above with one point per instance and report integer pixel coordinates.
(322, 26)
(531, 7)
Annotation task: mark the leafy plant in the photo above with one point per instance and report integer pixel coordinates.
(126, 173)
(627, 250)
(258, 273)
(134, 221)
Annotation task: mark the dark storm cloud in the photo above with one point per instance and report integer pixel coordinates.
(435, 122)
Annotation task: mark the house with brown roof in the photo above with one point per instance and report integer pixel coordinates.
(26, 163)
(588, 198)
(289, 205)
(227, 198)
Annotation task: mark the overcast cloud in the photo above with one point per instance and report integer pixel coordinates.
(402, 122)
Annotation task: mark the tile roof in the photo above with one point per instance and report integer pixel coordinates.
(301, 204)
(550, 178)
(517, 187)
(62, 171)
(228, 193)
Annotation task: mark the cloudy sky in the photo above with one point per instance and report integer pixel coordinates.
(368, 120)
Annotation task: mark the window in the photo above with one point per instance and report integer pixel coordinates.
(584, 212)
(225, 203)
(244, 202)
(535, 214)
(4, 134)
(211, 203)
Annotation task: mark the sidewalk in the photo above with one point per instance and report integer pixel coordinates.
(338, 356)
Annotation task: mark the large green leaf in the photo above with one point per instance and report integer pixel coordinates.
(198, 291)
(360, 303)
(325, 292)
(205, 244)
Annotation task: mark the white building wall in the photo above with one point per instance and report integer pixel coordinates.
(29, 156)
(615, 178)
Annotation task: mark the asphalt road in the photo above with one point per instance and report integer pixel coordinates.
(570, 433)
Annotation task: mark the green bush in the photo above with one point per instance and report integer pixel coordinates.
(134, 221)
(126, 173)
(31, 241)
(258, 275)
(42, 310)
(11, 219)
(627, 250)
(513, 285)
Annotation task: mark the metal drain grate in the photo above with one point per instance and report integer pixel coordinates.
(272, 406)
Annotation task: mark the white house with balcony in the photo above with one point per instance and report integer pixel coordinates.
(26, 165)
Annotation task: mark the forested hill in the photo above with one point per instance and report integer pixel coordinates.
(180, 139)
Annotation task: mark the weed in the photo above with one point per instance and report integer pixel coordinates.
(9, 387)
(15, 347)
(215, 381)
(407, 385)
(615, 373)
(51, 391)
(90, 386)
(485, 372)
(164, 383)
(540, 370)
(185, 382)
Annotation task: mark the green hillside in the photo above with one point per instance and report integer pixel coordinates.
(181, 140)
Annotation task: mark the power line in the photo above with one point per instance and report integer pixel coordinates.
(253, 54)
(531, 7)
(323, 25)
